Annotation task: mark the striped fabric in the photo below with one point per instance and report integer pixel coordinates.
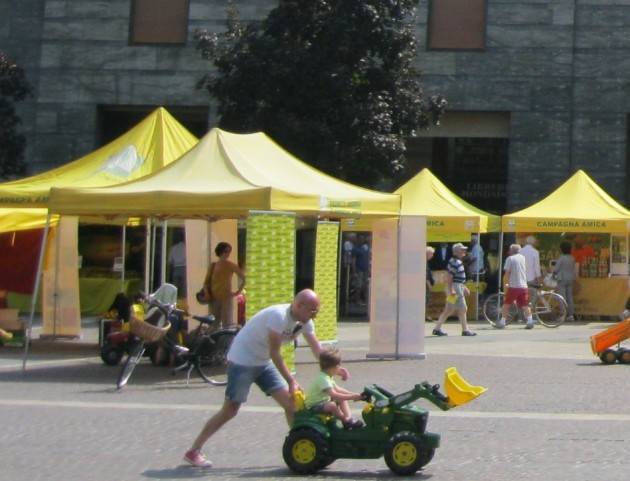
(456, 269)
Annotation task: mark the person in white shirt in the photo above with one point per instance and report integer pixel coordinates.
(255, 357)
(532, 262)
(476, 258)
(517, 291)
(177, 264)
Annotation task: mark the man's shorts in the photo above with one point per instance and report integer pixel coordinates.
(520, 295)
(459, 301)
(240, 378)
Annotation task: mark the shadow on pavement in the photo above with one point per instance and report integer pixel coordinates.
(95, 372)
(267, 472)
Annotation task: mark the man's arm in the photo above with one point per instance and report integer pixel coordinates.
(316, 349)
(275, 343)
(449, 283)
(313, 343)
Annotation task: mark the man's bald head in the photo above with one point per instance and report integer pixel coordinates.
(305, 305)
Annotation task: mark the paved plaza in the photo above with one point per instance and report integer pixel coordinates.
(552, 412)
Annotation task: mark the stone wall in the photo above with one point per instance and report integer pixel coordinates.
(566, 88)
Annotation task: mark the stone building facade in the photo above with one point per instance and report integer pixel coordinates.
(546, 94)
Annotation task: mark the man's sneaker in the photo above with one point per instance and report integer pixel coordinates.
(500, 324)
(529, 325)
(195, 458)
(439, 332)
(570, 318)
(468, 333)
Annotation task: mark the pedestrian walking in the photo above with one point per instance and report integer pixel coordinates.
(515, 276)
(455, 293)
(564, 272)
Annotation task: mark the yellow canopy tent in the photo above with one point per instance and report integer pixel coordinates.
(449, 217)
(227, 175)
(153, 143)
(446, 213)
(578, 205)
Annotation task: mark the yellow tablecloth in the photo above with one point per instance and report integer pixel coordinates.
(601, 296)
(96, 294)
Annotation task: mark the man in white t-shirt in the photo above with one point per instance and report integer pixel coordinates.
(532, 262)
(255, 357)
(516, 274)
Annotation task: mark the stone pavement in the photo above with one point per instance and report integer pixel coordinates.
(552, 412)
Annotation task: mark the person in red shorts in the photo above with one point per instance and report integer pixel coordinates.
(516, 276)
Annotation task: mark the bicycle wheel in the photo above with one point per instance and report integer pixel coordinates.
(135, 354)
(492, 308)
(551, 309)
(210, 363)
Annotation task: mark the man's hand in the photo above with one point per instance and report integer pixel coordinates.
(294, 387)
(466, 291)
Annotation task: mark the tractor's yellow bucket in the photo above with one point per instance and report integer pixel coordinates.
(458, 390)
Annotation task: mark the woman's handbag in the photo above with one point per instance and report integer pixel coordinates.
(203, 296)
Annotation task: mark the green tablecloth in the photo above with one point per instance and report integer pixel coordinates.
(96, 294)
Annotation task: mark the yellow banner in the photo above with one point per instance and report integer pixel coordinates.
(271, 265)
(512, 224)
(326, 255)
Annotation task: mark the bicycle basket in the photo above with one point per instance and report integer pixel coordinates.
(148, 332)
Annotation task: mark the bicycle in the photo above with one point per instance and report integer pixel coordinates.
(549, 308)
(208, 351)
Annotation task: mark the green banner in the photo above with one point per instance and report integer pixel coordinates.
(326, 270)
(270, 264)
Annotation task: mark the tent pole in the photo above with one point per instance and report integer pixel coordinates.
(147, 257)
(153, 241)
(500, 267)
(124, 243)
(163, 256)
(477, 280)
(398, 231)
(56, 281)
(40, 264)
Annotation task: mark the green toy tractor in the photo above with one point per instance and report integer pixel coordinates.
(394, 428)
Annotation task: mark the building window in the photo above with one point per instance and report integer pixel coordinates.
(159, 22)
(457, 25)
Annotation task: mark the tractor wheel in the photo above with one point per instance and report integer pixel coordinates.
(328, 461)
(305, 451)
(405, 454)
(111, 355)
(609, 356)
(623, 356)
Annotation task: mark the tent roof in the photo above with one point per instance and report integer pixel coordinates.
(426, 195)
(156, 141)
(578, 205)
(228, 174)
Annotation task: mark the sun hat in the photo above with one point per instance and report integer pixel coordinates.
(459, 247)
